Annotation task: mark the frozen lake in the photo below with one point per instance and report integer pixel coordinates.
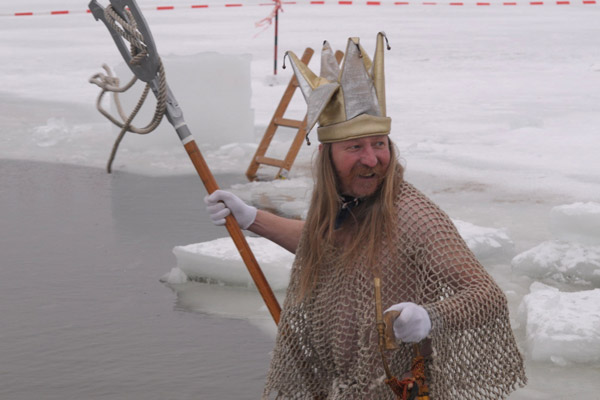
(496, 112)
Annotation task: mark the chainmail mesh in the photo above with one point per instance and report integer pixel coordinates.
(327, 346)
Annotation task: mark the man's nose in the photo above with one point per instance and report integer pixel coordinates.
(368, 157)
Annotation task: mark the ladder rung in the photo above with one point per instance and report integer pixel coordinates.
(290, 123)
(270, 161)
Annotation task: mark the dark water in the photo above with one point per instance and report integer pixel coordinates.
(83, 314)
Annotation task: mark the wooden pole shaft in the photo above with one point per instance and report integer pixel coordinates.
(236, 233)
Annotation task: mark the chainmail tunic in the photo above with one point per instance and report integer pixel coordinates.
(327, 344)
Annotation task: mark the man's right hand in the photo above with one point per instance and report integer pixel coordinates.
(220, 204)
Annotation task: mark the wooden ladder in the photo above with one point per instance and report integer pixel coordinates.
(279, 120)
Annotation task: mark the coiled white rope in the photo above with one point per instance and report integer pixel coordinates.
(110, 83)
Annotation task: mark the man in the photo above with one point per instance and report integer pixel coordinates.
(365, 221)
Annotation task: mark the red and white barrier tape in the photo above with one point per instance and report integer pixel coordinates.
(322, 2)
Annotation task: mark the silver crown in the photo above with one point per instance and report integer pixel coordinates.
(348, 102)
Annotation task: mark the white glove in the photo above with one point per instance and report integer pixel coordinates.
(413, 323)
(220, 204)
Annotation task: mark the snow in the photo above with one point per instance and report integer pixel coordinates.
(562, 327)
(501, 103)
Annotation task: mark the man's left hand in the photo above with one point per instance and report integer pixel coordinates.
(413, 323)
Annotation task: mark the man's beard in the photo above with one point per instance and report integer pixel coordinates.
(375, 175)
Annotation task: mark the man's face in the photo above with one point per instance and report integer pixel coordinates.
(361, 164)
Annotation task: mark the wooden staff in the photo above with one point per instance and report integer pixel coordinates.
(235, 232)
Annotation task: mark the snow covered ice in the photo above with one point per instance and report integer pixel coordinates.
(218, 261)
(495, 112)
(562, 327)
(561, 261)
(574, 254)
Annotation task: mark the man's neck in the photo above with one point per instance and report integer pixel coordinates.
(348, 203)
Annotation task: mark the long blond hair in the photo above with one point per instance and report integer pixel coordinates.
(372, 219)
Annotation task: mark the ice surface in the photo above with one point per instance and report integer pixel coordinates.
(486, 243)
(175, 276)
(223, 115)
(577, 222)
(54, 133)
(574, 256)
(218, 261)
(562, 327)
(561, 261)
